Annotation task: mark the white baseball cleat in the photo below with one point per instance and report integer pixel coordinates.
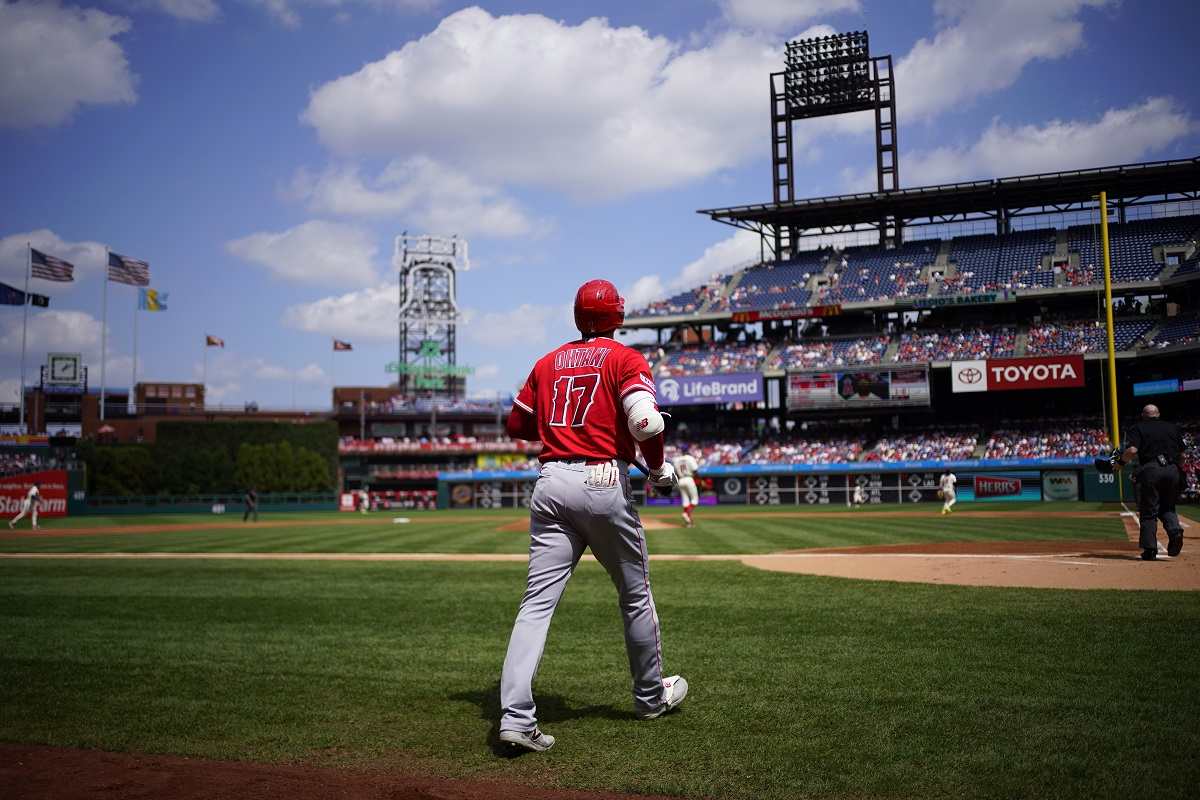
(533, 740)
(675, 688)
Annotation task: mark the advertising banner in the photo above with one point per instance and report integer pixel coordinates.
(53, 488)
(690, 390)
(858, 389)
(1006, 485)
(1060, 485)
(1008, 374)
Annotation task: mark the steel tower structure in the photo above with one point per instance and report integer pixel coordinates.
(428, 268)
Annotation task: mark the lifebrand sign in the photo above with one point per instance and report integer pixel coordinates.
(687, 390)
(1007, 374)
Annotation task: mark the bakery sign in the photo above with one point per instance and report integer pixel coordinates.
(1007, 374)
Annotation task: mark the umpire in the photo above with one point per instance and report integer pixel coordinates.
(1156, 444)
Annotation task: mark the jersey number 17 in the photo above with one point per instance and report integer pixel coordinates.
(573, 398)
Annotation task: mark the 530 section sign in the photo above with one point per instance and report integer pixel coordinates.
(1006, 374)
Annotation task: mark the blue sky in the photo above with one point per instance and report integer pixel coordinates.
(261, 155)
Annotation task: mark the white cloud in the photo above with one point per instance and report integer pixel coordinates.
(190, 10)
(1119, 136)
(10, 390)
(722, 258)
(285, 12)
(311, 373)
(421, 194)
(523, 326)
(773, 15)
(267, 371)
(54, 59)
(589, 109)
(50, 330)
(316, 252)
(88, 258)
(369, 314)
(643, 290)
(981, 48)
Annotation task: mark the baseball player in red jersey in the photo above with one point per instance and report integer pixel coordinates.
(591, 403)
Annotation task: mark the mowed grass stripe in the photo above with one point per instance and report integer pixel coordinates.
(721, 533)
(802, 686)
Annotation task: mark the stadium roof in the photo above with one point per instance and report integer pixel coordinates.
(1129, 184)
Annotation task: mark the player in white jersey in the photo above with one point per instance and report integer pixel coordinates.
(686, 468)
(946, 491)
(860, 496)
(29, 505)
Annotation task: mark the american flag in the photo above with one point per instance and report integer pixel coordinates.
(123, 269)
(213, 341)
(338, 344)
(49, 268)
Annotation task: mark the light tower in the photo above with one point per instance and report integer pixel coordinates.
(825, 76)
(428, 267)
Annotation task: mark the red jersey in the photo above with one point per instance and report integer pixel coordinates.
(576, 393)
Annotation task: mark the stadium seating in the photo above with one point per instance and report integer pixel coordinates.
(708, 359)
(983, 263)
(1190, 463)
(799, 448)
(1181, 330)
(830, 353)
(930, 444)
(1083, 336)
(947, 345)
(1070, 438)
(772, 287)
(873, 273)
(712, 452)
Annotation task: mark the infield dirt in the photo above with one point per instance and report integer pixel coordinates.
(31, 771)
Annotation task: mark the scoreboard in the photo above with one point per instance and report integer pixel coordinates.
(858, 389)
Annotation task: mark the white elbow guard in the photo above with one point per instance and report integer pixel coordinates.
(642, 415)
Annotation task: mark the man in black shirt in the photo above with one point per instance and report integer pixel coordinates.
(1156, 446)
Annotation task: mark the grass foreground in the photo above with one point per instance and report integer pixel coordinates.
(801, 686)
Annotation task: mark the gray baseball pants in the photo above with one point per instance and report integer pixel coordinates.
(576, 506)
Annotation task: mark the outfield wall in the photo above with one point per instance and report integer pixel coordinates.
(987, 480)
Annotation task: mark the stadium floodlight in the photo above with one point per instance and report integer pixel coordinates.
(830, 75)
(428, 268)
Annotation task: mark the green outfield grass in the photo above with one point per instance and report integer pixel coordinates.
(720, 530)
(801, 686)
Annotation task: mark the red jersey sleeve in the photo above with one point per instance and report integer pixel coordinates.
(527, 397)
(634, 373)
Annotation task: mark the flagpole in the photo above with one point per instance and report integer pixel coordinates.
(136, 307)
(25, 328)
(104, 334)
(204, 379)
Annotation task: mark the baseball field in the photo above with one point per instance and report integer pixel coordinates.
(325, 655)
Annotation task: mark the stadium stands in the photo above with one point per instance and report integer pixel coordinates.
(1083, 336)
(15, 463)
(872, 273)
(1067, 438)
(770, 287)
(1181, 330)
(830, 353)
(935, 443)
(714, 358)
(799, 448)
(944, 345)
(982, 263)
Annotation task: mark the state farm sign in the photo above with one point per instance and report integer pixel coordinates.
(53, 491)
(1006, 374)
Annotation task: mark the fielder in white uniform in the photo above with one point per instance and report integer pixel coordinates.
(686, 468)
(860, 496)
(364, 501)
(29, 506)
(946, 485)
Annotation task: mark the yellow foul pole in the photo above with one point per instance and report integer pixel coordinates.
(1108, 322)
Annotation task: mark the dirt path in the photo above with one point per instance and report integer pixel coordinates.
(31, 771)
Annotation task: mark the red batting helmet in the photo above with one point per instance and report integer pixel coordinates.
(599, 308)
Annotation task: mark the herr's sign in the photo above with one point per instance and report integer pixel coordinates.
(1007, 374)
(690, 390)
